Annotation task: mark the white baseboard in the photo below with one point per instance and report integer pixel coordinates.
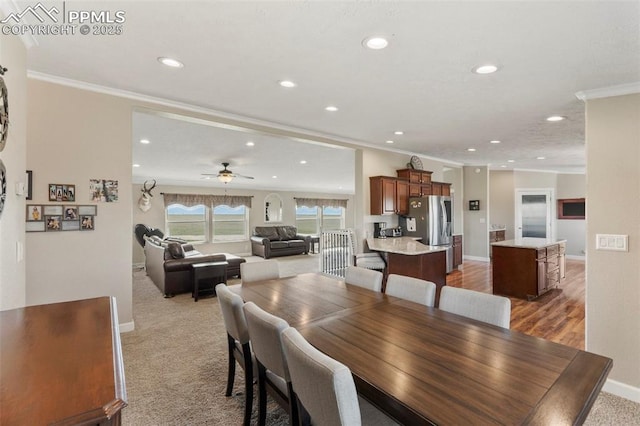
(622, 390)
(126, 327)
(478, 258)
(574, 257)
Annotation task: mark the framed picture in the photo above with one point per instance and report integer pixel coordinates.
(103, 190)
(87, 223)
(474, 204)
(62, 192)
(53, 210)
(53, 223)
(70, 213)
(88, 210)
(29, 185)
(34, 226)
(34, 213)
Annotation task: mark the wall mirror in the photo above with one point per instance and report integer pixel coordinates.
(273, 208)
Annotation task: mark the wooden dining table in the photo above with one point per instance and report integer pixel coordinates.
(422, 365)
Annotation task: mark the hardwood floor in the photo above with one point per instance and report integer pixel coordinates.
(558, 315)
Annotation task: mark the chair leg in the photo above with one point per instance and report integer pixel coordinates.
(262, 394)
(248, 383)
(232, 365)
(294, 414)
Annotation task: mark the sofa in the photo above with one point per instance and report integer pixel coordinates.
(273, 241)
(168, 264)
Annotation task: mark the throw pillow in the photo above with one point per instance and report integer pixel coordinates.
(176, 250)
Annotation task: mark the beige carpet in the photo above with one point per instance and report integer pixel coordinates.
(176, 363)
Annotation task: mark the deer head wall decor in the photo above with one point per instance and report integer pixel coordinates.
(144, 203)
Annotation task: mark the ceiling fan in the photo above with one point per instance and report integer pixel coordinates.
(225, 175)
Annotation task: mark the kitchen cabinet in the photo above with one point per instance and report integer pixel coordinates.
(527, 268)
(419, 181)
(388, 195)
(457, 251)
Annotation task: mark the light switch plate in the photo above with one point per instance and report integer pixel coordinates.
(612, 242)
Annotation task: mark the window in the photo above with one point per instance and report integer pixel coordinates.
(230, 223)
(188, 223)
(309, 220)
(198, 225)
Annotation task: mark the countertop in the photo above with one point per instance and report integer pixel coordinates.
(533, 243)
(402, 245)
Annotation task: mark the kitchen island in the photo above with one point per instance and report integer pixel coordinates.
(527, 267)
(406, 256)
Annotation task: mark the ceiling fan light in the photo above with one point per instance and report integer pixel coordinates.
(225, 178)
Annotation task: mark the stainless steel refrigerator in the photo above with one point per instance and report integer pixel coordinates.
(430, 220)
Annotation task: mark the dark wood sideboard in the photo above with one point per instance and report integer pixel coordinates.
(61, 364)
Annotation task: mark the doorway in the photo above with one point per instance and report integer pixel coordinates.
(534, 213)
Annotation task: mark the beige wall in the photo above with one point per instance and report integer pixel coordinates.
(613, 203)
(572, 230)
(502, 200)
(476, 234)
(155, 216)
(14, 157)
(74, 136)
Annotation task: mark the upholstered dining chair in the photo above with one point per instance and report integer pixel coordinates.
(362, 277)
(324, 388)
(483, 307)
(238, 344)
(265, 331)
(413, 289)
(256, 271)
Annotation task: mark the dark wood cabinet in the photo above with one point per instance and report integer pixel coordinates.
(62, 364)
(457, 251)
(526, 272)
(388, 195)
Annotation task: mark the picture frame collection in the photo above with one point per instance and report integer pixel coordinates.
(60, 217)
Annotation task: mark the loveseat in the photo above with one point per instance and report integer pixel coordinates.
(168, 264)
(272, 241)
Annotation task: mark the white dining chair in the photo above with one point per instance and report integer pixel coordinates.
(238, 344)
(362, 277)
(483, 307)
(261, 270)
(265, 331)
(413, 289)
(324, 388)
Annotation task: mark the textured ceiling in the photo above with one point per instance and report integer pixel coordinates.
(236, 52)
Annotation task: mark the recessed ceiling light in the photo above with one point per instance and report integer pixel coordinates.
(303, 161)
(170, 62)
(494, 141)
(485, 69)
(136, 165)
(331, 108)
(145, 141)
(511, 161)
(287, 83)
(555, 118)
(375, 42)
(540, 158)
(250, 143)
(389, 142)
(398, 132)
(274, 177)
(471, 149)
(503, 166)
(207, 177)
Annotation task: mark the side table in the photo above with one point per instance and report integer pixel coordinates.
(216, 272)
(314, 239)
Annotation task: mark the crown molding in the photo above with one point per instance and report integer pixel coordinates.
(9, 6)
(606, 92)
(248, 123)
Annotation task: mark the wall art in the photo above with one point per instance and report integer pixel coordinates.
(62, 192)
(103, 190)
